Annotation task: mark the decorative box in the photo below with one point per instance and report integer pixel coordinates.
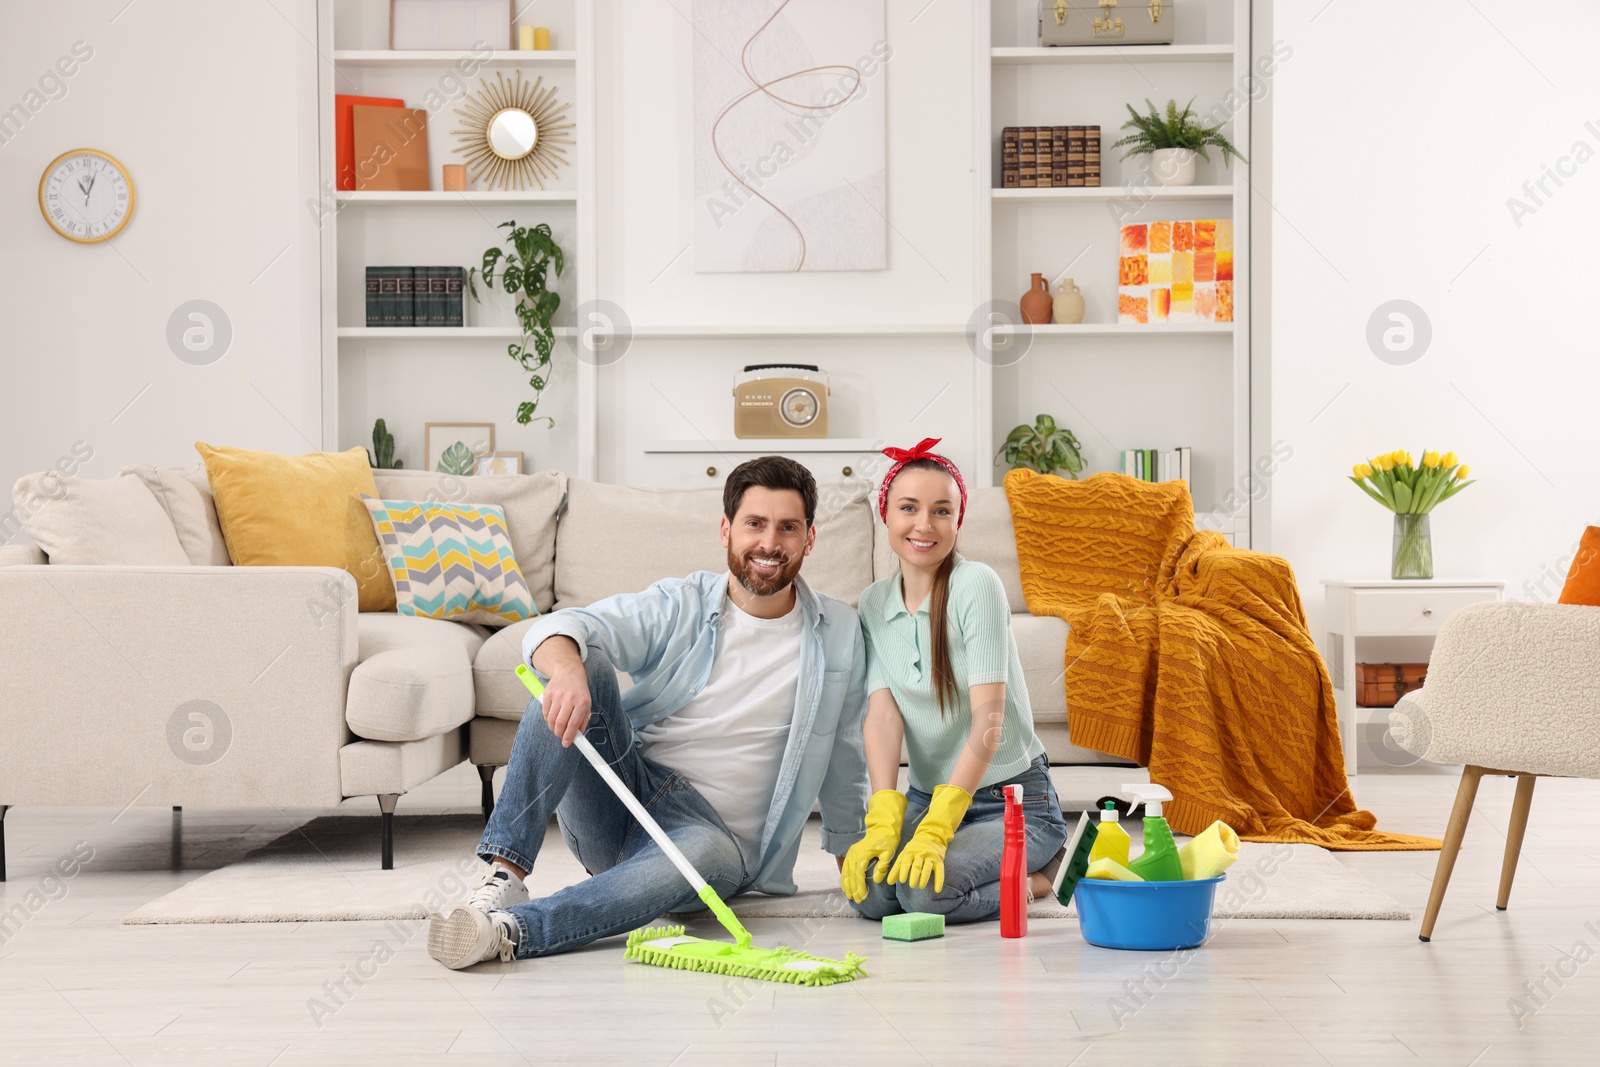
(1091, 22)
(1381, 685)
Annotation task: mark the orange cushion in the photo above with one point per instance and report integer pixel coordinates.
(300, 511)
(1583, 580)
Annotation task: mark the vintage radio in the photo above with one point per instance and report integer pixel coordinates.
(1092, 22)
(789, 406)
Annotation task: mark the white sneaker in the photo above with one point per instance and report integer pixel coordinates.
(497, 889)
(467, 936)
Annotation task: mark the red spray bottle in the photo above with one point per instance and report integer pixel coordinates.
(1014, 868)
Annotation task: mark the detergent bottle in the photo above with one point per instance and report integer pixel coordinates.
(1014, 868)
(1111, 842)
(1159, 861)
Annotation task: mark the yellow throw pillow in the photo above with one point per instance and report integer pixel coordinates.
(300, 511)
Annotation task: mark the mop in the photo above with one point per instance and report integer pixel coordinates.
(668, 946)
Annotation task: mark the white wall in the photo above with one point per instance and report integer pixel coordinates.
(1395, 153)
(678, 389)
(206, 105)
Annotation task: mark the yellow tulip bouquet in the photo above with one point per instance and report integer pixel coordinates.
(1411, 491)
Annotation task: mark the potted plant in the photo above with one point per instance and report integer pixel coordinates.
(1411, 491)
(1172, 141)
(382, 455)
(523, 271)
(1043, 447)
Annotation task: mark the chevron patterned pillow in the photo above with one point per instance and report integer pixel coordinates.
(451, 561)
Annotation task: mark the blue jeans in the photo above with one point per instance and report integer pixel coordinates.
(972, 861)
(633, 880)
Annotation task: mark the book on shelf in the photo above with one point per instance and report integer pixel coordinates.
(1027, 157)
(1059, 157)
(1159, 465)
(344, 143)
(415, 296)
(1008, 158)
(1074, 169)
(1091, 156)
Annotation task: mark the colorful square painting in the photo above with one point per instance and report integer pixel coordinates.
(1176, 272)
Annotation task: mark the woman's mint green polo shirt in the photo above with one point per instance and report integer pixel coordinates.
(982, 651)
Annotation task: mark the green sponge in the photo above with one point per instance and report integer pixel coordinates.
(913, 926)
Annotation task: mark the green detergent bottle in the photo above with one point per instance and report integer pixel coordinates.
(1159, 861)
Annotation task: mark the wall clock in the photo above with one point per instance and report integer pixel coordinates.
(86, 196)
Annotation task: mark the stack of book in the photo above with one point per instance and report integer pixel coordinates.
(1157, 465)
(415, 296)
(1049, 157)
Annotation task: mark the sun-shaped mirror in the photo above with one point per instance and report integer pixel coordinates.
(512, 133)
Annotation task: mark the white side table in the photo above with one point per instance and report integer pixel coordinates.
(1359, 609)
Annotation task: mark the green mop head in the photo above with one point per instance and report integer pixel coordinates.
(666, 946)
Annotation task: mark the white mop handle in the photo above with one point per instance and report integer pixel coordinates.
(624, 794)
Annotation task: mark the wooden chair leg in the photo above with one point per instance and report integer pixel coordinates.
(1519, 823)
(1466, 793)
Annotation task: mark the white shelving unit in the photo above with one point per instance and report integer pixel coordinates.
(358, 57)
(433, 373)
(1132, 54)
(471, 196)
(1119, 386)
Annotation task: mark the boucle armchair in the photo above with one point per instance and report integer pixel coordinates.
(1512, 689)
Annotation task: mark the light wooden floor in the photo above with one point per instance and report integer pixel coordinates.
(78, 987)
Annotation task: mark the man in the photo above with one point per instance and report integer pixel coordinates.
(746, 709)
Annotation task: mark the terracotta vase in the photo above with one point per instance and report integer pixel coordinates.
(1068, 303)
(1036, 303)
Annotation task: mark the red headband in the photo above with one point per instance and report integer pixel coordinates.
(922, 450)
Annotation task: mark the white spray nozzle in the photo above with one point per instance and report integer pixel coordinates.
(1150, 795)
(1015, 793)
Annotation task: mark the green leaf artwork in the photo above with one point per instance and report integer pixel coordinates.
(457, 459)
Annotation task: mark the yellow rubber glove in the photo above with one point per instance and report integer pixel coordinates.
(923, 856)
(885, 812)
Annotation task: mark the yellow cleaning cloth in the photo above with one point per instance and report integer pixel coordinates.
(1109, 870)
(1211, 853)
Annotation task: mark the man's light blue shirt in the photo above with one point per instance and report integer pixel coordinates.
(664, 638)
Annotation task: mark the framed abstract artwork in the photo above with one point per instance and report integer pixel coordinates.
(1176, 272)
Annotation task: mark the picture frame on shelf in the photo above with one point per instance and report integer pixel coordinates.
(440, 25)
(499, 463)
(454, 447)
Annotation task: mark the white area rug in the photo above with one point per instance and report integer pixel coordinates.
(328, 871)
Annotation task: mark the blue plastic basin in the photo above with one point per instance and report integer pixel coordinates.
(1145, 915)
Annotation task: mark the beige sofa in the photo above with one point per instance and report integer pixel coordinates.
(200, 683)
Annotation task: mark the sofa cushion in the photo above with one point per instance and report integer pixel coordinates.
(531, 503)
(185, 495)
(413, 678)
(603, 547)
(1042, 649)
(451, 561)
(96, 521)
(300, 511)
(501, 694)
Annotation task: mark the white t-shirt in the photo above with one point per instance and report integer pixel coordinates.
(728, 741)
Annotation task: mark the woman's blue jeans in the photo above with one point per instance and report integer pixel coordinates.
(972, 861)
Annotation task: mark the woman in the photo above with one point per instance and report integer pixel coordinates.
(943, 675)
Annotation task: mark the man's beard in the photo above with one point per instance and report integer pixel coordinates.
(757, 585)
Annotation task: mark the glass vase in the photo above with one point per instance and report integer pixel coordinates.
(1413, 548)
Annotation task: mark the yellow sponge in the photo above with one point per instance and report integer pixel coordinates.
(1109, 870)
(1211, 853)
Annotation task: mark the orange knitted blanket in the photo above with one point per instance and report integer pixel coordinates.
(1190, 657)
